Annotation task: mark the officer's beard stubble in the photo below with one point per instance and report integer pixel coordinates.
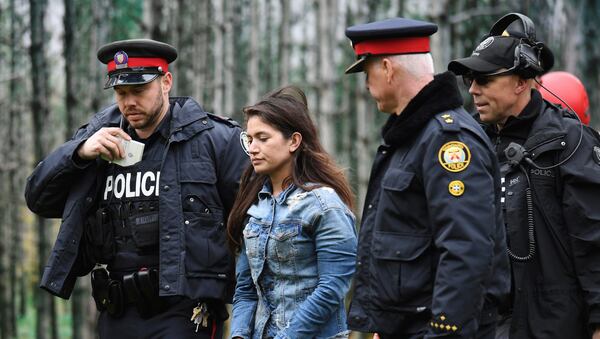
(153, 116)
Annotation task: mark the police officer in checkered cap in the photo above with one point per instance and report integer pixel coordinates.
(431, 258)
(143, 190)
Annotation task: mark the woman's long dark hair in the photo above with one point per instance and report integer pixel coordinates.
(286, 110)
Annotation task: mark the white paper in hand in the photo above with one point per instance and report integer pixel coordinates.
(133, 153)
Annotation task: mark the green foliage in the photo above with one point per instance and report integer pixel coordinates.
(125, 19)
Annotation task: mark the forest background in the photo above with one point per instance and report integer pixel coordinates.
(231, 52)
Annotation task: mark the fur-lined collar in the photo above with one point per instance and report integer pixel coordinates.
(441, 94)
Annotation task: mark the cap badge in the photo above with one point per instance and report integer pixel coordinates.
(454, 156)
(245, 142)
(456, 188)
(597, 154)
(485, 44)
(121, 59)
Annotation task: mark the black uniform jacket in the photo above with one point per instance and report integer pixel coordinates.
(557, 293)
(203, 163)
(432, 241)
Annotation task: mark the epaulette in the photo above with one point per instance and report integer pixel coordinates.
(226, 120)
(448, 121)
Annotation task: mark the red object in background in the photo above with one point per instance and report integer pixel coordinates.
(569, 88)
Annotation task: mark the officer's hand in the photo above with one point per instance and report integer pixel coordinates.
(596, 334)
(104, 142)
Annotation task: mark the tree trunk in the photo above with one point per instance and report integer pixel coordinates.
(80, 293)
(253, 80)
(15, 129)
(99, 37)
(266, 64)
(326, 80)
(157, 26)
(217, 47)
(201, 40)
(284, 43)
(229, 69)
(441, 41)
(45, 325)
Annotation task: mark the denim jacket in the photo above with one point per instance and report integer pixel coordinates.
(295, 266)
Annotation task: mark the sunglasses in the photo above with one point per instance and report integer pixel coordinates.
(482, 79)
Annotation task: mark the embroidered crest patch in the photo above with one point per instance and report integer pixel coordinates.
(454, 156)
(597, 154)
(456, 188)
(245, 142)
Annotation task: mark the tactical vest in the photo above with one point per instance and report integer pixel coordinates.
(129, 204)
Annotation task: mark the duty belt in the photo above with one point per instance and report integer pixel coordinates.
(138, 288)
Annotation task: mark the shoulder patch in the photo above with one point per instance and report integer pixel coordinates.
(226, 120)
(245, 142)
(596, 154)
(448, 121)
(454, 156)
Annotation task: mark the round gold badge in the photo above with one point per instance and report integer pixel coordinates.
(454, 156)
(456, 188)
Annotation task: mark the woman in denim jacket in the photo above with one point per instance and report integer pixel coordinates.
(292, 226)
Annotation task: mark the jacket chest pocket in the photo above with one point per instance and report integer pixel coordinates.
(402, 267)
(283, 240)
(198, 186)
(401, 207)
(252, 237)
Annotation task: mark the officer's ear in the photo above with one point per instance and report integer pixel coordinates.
(166, 82)
(388, 69)
(522, 85)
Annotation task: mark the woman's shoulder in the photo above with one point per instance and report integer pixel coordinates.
(328, 198)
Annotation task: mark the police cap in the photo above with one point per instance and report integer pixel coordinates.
(491, 55)
(388, 37)
(135, 61)
(512, 45)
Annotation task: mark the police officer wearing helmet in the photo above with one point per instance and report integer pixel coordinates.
(550, 165)
(431, 259)
(153, 228)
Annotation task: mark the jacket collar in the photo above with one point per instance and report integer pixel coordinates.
(539, 124)
(518, 126)
(440, 95)
(267, 192)
(547, 125)
(187, 118)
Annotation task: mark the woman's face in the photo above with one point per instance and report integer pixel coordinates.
(270, 151)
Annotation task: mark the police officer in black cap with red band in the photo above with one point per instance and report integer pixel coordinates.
(151, 221)
(551, 174)
(431, 258)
